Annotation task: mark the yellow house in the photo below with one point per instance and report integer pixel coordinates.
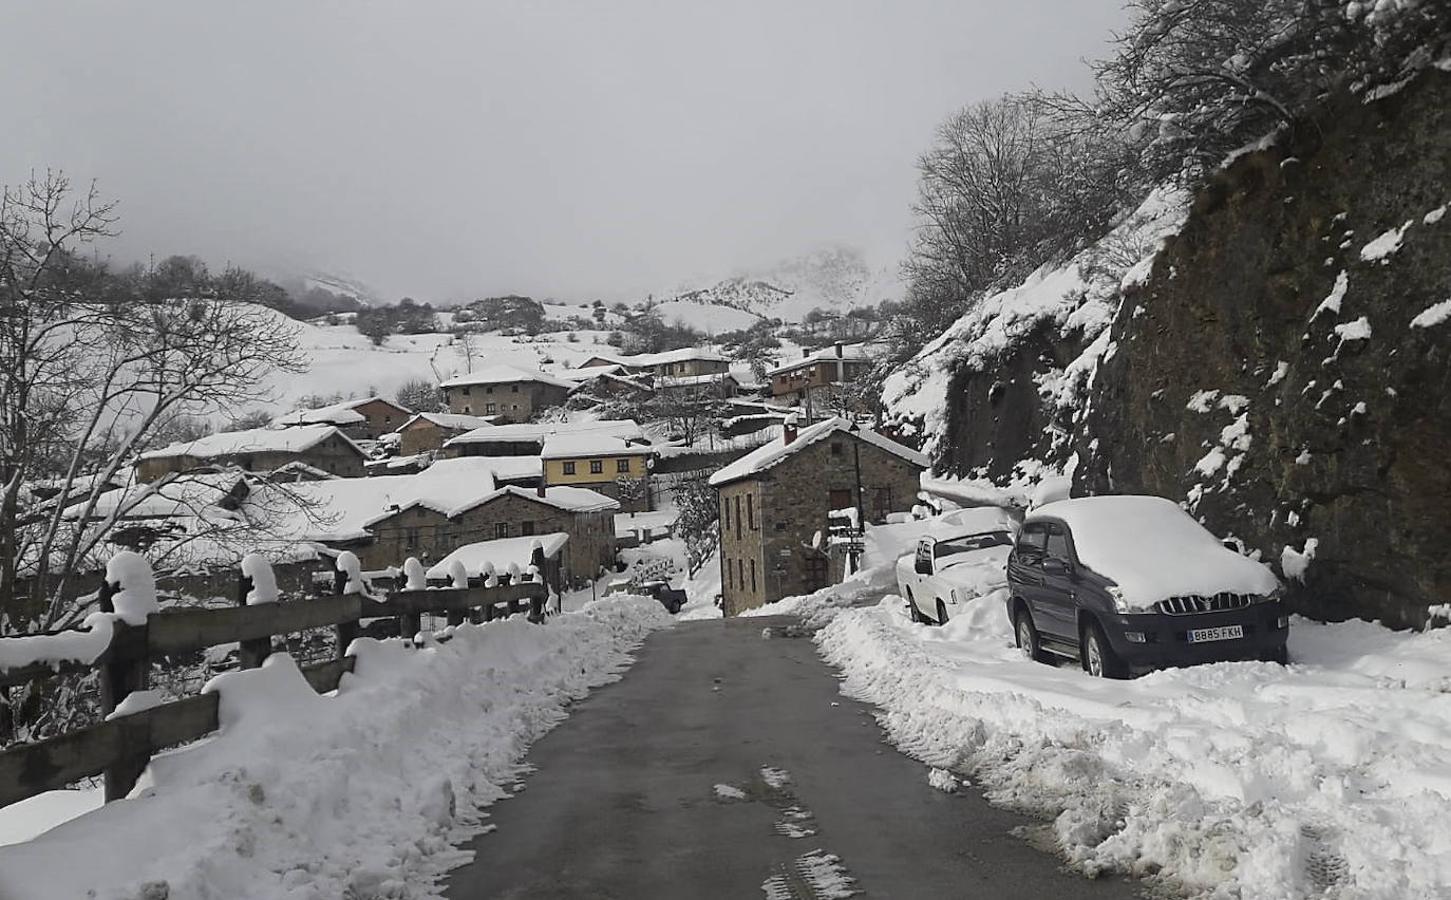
(602, 463)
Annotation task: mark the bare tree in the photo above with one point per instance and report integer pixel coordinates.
(420, 395)
(76, 419)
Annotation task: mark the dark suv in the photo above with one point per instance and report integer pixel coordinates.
(1065, 596)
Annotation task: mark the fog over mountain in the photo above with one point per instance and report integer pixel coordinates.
(566, 149)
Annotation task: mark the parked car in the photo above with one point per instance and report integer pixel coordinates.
(963, 557)
(1127, 584)
(670, 598)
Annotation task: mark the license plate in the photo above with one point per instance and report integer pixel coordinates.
(1222, 633)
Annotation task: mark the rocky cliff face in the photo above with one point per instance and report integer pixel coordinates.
(1281, 366)
(1283, 371)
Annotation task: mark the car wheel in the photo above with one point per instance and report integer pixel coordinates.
(941, 613)
(1099, 660)
(1027, 636)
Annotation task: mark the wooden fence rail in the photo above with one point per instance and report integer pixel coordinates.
(120, 747)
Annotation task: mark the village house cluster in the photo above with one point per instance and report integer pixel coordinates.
(522, 465)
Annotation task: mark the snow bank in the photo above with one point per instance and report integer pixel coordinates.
(1327, 778)
(365, 793)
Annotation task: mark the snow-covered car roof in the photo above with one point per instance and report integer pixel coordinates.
(1153, 549)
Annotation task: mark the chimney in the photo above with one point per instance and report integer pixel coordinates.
(838, 349)
(540, 488)
(805, 354)
(788, 429)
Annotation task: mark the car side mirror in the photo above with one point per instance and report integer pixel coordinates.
(1055, 566)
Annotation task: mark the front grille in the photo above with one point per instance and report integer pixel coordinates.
(1197, 603)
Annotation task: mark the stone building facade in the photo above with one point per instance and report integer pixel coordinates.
(334, 454)
(430, 535)
(519, 400)
(770, 519)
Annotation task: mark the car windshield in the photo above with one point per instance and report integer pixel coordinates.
(970, 543)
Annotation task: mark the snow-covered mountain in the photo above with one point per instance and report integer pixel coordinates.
(343, 286)
(834, 279)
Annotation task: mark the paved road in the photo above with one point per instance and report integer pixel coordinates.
(625, 802)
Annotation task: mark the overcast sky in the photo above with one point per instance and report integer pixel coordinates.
(559, 149)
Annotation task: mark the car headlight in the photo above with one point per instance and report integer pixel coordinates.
(1116, 593)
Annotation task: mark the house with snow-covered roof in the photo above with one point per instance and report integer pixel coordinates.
(512, 393)
(775, 503)
(602, 462)
(527, 438)
(817, 376)
(368, 417)
(429, 430)
(323, 447)
(668, 364)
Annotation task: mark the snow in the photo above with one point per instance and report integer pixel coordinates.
(596, 443)
(1435, 215)
(343, 413)
(1359, 330)
(34, 816)
(413, 573)
(1434, 314)
(456, 421)
(849, 353)
(84, 645)
(264, 581)
(137, 598)
(1331, 303)
(942, 780)
(504, 374)
(775, 452)
(364, 793)
(1384, 245)
(624, 429)
(348, 563)
(1295, 563)
(254, 440)
(1282, 368)
(708, 317)
(135, 702)
(498, 554)
(1327, 778)
(1202, 401)
(1154, 550)
(729, 792)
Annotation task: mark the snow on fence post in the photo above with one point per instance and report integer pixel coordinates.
(343, 575)
(252, 653)
(125, 666)
(410, 624)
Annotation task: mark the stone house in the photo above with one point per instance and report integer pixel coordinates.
(430, 531)
(527, 439)
(699, 387)
(775, 502)
(429, 431)
(323, 447)
(600, 462)
(369, 418)
(513, 394)
(810, 380)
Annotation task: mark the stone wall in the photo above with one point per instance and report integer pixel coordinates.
(515, 401)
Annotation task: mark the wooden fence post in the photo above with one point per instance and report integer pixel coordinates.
(125, 668)
(346, 631)
(250, 654)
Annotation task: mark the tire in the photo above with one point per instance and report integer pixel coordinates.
(941, 612)
(1097, 654)
(1026, 634)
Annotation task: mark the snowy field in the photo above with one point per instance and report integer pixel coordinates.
(365, 793)
(1330, 778)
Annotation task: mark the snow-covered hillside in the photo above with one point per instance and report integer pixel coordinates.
(834, 279)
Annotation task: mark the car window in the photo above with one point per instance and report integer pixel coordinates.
(1057, 543)
(1032, 539)
(971, 542)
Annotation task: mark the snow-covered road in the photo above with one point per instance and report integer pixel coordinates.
(1329, 778)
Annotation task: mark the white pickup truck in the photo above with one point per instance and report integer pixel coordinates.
(963, 556)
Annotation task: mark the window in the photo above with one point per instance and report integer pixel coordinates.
(596, 466)
(840, 499)
(526, 527)
(514, 389)
(738, 516)
(741, 572)
(816, 573)
(411, 538)
(569, 467)
(501, 530)
(466, 392)
(488, 408)
(751, 513)
(836, 448)
(622, 465)
(728, 573)
(1057, 542)
(883, 503)
(725, 512)
(489, 389)
(466, 407)
(753, 575)
(1033, 539)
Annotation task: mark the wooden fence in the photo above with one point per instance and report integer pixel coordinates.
(120, 747)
